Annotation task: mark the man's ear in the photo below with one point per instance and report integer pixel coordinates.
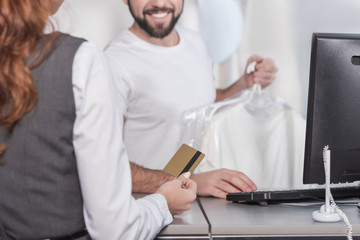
(126, 2)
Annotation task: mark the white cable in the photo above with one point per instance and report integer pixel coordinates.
(334, 206)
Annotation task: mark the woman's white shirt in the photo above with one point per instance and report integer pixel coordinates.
(110, 211)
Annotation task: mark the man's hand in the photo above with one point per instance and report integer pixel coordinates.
(263, 74)
(219, 183)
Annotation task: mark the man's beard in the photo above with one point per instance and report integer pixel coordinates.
(159, 31)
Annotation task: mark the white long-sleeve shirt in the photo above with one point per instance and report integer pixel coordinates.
(110, 211)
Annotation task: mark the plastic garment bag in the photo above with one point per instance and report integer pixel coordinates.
(255, 133)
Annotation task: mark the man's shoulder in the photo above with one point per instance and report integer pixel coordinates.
(188, 33)
(121, 41)
(192, 39)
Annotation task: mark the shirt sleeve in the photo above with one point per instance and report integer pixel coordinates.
(122, 81)
(110, 211)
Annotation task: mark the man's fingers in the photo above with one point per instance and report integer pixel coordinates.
(240, 180)
(255, 58)
(233, 181)
(267, 65)
(219, 194)
(219, 182)
(227, 187)
(264, 75)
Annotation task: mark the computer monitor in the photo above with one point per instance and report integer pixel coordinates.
(333, 114)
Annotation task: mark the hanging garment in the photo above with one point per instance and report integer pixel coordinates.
(255, 133)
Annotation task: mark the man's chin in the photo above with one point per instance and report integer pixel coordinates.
(160, 34)
(159, 31)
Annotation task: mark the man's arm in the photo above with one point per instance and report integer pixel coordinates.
(215, 183)
(146, 180)
(236, 87)
(219, 183)
(263, 74)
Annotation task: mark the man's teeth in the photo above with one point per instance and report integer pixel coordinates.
(159, 15)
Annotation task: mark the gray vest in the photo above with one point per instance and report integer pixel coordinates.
(40, 193)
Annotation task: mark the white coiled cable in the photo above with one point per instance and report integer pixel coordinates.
(334, 206)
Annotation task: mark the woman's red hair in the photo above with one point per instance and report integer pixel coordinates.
(22, 23)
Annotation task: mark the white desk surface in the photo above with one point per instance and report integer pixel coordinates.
(189, 223)
(234, 219)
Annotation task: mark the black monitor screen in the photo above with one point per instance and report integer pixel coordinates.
(333, 114)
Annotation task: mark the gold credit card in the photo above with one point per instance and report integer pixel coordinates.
(186, 159)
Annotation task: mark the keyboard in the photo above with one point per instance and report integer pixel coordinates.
(293, 195)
